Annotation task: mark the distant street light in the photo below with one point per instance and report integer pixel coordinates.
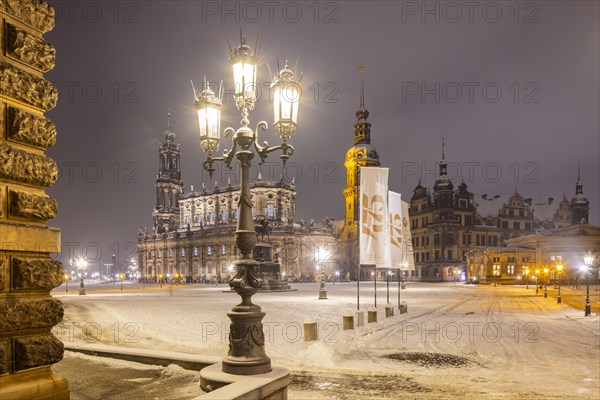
(526, 272)
(559, 268)
(546, 282)
(81, 266)
(67, 277)
(589, 261)
(537, 281)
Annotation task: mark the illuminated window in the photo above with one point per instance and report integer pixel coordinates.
(496, 270)
(209, 250)
(510, 269)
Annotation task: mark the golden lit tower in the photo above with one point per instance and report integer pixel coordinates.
(362, 154)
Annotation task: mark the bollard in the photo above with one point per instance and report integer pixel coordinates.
(360, 318)
(389, 311)
(403, 286)
(403, 308)
(310, 331)
(348, 322)
(372, 316)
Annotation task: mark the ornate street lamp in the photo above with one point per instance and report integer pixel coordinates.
(246, 338)
(537, 281)
(526, 272)
(559, 268)
(546, 282)
(588, 261)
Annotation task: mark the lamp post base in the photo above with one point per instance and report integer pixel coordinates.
(246, 354)
(246, 345)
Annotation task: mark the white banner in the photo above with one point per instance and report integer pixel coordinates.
(396, 235)
(374, 227)
(408, 263)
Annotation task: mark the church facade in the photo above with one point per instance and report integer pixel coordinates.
(193, 237)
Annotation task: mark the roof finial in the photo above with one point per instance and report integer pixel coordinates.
(169, 118)
(361, 68)
(579, 171)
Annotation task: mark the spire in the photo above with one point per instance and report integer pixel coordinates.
(443, 155)
(443, 164)
(443, 183)
(362, 112)
(169, 133)
(578, 185)
(361, 68)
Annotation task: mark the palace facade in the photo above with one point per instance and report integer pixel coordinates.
(193, 237)
(450, 225)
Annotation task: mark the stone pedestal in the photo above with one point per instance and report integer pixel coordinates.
(310, 332)
(348, 322)
(403, 308)
(389, 311)
(360, 318)
(371, 316)
(322, 294)
(27, 272)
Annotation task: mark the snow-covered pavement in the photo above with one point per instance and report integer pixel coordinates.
(456, 340)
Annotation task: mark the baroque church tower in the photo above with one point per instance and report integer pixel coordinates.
(580, 205)
(169, 185)
(362, 154)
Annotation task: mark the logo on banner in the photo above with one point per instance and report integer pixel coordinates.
(396, 229)
(373, 213)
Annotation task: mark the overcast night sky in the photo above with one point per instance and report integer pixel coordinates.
(121, 65)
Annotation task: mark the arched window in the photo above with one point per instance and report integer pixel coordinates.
(209, 250)
(270, 210)
(223, 249)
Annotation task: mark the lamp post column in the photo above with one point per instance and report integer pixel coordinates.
(246, 354)
(588, 307)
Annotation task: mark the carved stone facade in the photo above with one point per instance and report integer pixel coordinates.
(27, 273)
(30, 129)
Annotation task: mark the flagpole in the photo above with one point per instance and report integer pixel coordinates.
(387, 279)
(375, 284)
(399, 279)
(358, 212)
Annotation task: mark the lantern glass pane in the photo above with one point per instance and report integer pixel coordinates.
(276, 104)
(209, 120)
(244, 76)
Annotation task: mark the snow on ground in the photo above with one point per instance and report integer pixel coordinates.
(489, 342)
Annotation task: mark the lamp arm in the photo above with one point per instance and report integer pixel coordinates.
(286, 148)
(265, 149)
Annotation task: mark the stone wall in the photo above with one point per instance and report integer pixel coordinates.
(27, 273)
